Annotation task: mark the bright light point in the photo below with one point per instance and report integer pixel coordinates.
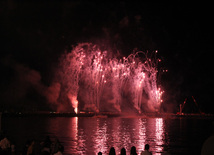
(76, 110)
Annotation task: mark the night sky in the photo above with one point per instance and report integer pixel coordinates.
(35, 34)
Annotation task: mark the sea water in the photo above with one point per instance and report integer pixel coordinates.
(89, 135)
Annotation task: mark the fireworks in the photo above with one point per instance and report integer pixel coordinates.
(94, 81)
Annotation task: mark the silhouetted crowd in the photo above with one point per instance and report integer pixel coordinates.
(31, 147)
(50, 147)
(132, 151)
(46, 147)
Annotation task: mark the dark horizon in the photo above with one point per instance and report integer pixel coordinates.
(36, 34)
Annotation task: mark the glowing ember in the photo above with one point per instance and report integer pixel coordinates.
(98, 82)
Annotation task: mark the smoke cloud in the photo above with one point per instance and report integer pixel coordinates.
(25, 81)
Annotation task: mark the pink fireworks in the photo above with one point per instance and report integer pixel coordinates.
(95, 81)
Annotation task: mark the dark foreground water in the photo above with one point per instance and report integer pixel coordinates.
(88, 136)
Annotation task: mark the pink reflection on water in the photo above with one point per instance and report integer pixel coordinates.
(150, 131)
(142, 134)
(73, 124)
(116, 133)
(101, 137)
(125, 136)
(77, 141)
(159, 134)
(93, 135)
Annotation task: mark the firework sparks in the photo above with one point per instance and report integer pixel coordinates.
(102, 82)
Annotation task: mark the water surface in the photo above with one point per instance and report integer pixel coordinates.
(88, 135)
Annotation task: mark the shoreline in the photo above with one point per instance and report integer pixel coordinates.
(107, 115)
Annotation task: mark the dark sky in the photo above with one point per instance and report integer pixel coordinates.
(35, 34)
